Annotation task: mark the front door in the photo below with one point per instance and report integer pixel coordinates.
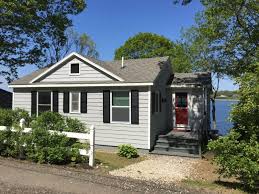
(181, 109)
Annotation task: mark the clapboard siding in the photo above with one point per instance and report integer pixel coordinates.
(22, 100)
(87, 73)
(109, 134)
(113, 134)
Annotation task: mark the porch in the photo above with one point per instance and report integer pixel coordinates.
(178, 143)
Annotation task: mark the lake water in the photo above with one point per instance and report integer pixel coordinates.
(223, 108)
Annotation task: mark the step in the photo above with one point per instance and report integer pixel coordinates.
(177, 140)
(178, 145)
(161, 152)
(177, 149)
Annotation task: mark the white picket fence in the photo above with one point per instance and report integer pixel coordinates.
(80, 136)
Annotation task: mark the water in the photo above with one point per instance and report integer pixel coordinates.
(223, 108)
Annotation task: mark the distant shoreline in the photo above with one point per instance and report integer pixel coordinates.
(226, 99)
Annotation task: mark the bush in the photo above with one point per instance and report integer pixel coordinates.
(49, 121)
(127, 151)
(10, 117)
(18, 114)
(6, 117)
(74, 125)
(237, 153)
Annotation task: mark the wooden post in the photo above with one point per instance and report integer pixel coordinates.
(22, 121)
(92, 142)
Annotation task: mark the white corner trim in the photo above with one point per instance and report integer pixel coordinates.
(82, 58)
(149, 116)
(46, 85)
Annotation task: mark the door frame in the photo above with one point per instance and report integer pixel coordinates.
(184, 126)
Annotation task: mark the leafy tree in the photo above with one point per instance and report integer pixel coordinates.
(82, 44)
(238, 153)
(28, 28)
(146, 45)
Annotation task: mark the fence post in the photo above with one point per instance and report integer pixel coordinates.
(22, 122)
(92, 142)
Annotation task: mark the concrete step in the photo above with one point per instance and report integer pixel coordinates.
(171, 153)
(172, 140)
(191, 146)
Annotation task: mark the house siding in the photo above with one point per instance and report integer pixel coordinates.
(108, 134)
(87, 73)
(159, 123)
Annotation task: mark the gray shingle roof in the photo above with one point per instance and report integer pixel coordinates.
(134, 71)
(196, 78)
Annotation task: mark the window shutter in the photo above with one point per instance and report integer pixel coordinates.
(55, 101)
(160, 102)
(153, 101)
(66, 102)
(106, 106)
(83, 102)
(134, 107)
(33, 103)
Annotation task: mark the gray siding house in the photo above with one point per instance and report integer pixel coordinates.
(138, 101)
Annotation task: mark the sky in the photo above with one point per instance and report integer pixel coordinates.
(111, 22)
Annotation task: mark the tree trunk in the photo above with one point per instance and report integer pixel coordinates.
(214, 113)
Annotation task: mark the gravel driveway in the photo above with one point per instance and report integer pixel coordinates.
(159, 169)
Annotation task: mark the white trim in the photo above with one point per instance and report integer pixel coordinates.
(70, 102)
(74, 74)
(82, 58)
(13, 100)
(186, 86)
(78, 85)
(129, 107)
(51, 101)
(149, 116)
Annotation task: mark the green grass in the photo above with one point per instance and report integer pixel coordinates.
(112, 161)
(220, 186)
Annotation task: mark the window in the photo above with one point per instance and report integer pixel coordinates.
(156, 102)
(181, 100)
(74, 102)
(74, 69)
(120, 106)
(44, 102)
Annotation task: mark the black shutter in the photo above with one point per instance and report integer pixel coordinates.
(106, 106)
(153, 101)
(83, 102)
(33, 103)
(55, 101)
(134, 107)
(160, 102)
(66, 102)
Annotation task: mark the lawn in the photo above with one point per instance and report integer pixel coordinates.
(111, 161)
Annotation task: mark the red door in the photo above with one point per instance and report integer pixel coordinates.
(181, 109)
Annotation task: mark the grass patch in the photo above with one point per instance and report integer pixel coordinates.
(112, 161)
(218, 186)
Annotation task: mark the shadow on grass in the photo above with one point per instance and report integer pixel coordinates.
(235, 185)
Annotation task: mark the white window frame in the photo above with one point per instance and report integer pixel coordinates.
(70, 102)
(51, 100)
(129, 107)
(71, 69)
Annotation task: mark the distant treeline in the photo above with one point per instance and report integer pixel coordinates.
(225, 94)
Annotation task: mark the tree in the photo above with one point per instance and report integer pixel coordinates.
(82, 44)
(237, 153)
(146, 45)
(28, 28)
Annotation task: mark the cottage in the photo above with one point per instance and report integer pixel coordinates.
(138, 101)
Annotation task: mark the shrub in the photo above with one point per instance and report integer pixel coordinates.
(74, 125)
(6, 117)
(127, 151)
(49, 121)
(18, 114)
(237, 153)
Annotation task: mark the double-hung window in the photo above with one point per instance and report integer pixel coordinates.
(74, 102)
(120, 106)
(44, 102)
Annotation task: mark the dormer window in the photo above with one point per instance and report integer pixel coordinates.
(74, 69)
